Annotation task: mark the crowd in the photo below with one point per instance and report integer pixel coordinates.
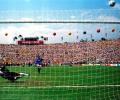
(104, 52)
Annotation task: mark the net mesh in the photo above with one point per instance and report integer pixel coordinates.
(84, 57)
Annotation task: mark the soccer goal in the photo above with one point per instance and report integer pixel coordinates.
(60, 55)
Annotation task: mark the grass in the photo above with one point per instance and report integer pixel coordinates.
(45, 86)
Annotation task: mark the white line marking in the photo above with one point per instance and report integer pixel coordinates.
(66, 86)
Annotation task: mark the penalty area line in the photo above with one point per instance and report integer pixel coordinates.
(65, 86)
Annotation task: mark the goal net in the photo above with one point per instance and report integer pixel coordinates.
(60, 55)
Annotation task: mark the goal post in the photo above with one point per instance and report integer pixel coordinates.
(80, 56)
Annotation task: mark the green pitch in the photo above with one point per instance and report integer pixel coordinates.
(63, 83)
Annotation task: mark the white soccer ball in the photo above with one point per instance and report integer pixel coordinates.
(112, 3)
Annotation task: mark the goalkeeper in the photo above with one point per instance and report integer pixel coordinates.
(39, 63)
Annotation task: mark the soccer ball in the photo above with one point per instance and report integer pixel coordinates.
(112, 3)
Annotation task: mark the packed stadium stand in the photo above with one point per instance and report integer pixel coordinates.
(99, 52)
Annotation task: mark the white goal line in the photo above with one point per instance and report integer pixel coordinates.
(64, 86)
